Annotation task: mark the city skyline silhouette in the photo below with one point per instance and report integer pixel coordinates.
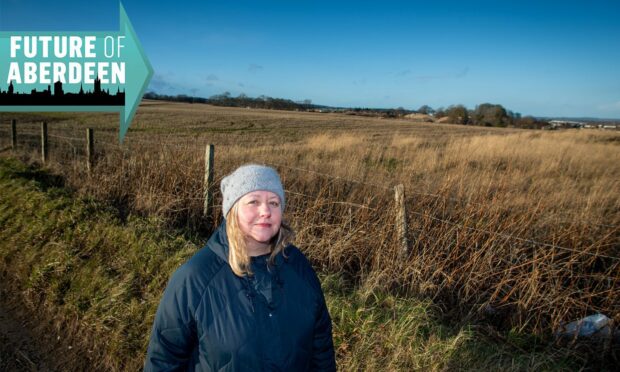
(96, 97)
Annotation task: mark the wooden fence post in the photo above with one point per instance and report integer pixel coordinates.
(208, 182)
(44, 147)
(90, 149)
(401, 219)
(14, 134)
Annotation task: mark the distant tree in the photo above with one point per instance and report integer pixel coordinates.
(426, 110)
(440, 113)
(220, 97)
(458, 114)
(527, 122)
(530, 122)
(491, 115)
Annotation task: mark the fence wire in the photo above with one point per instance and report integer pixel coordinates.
(186, 146)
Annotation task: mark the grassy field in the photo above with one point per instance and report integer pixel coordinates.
(92, 283)
(514, 231)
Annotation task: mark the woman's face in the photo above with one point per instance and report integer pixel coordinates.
(260, 216)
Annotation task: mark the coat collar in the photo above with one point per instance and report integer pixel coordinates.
(218, 243)
(266, 285)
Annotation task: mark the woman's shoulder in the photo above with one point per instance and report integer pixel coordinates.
(199, 270)
(300, 264)
(295, 256)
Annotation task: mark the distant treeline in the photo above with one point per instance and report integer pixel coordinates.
(485, 114)
(225, 99)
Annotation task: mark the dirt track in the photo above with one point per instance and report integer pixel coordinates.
(28, 341)
(19, 350)
(31, 341)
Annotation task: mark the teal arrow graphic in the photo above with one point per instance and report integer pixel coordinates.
(139, 73)
(64, 75)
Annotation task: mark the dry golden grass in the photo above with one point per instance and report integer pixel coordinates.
(327, 143)
(521, 228)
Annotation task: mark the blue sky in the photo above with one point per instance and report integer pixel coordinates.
(542, 58)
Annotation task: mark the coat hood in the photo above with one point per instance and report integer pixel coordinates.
(218, 243)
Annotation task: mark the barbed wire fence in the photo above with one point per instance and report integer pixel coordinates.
(414, 222)
(28, 138)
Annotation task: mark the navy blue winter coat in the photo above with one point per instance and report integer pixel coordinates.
(209, 319)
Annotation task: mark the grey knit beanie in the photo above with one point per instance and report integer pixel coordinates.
(248, 178)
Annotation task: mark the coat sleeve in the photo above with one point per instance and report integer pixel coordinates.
(323, 354)
(173, 336)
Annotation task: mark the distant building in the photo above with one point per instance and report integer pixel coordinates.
(566, 124)
(58, 89)
(609, 126)
(97, 86)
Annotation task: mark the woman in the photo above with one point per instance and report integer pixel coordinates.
(248, 301)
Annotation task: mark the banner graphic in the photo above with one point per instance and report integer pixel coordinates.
(74, 71)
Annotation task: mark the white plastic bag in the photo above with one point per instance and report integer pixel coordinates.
(596, 325)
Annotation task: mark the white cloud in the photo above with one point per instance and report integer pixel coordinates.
(613, 106)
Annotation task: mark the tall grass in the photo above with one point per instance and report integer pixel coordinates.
(517, 228)
(89, 284)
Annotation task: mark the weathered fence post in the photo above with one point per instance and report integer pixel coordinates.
(208, 182)
(13, 134)
(44, 147)
(350, 218)
(401, 219)
(90, 149)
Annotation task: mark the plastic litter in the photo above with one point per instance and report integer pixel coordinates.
(592, 326)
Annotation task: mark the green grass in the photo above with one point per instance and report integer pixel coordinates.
(377, 331)
(77, 261)
(98, 279)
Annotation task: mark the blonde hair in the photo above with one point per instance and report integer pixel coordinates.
(238, 258)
